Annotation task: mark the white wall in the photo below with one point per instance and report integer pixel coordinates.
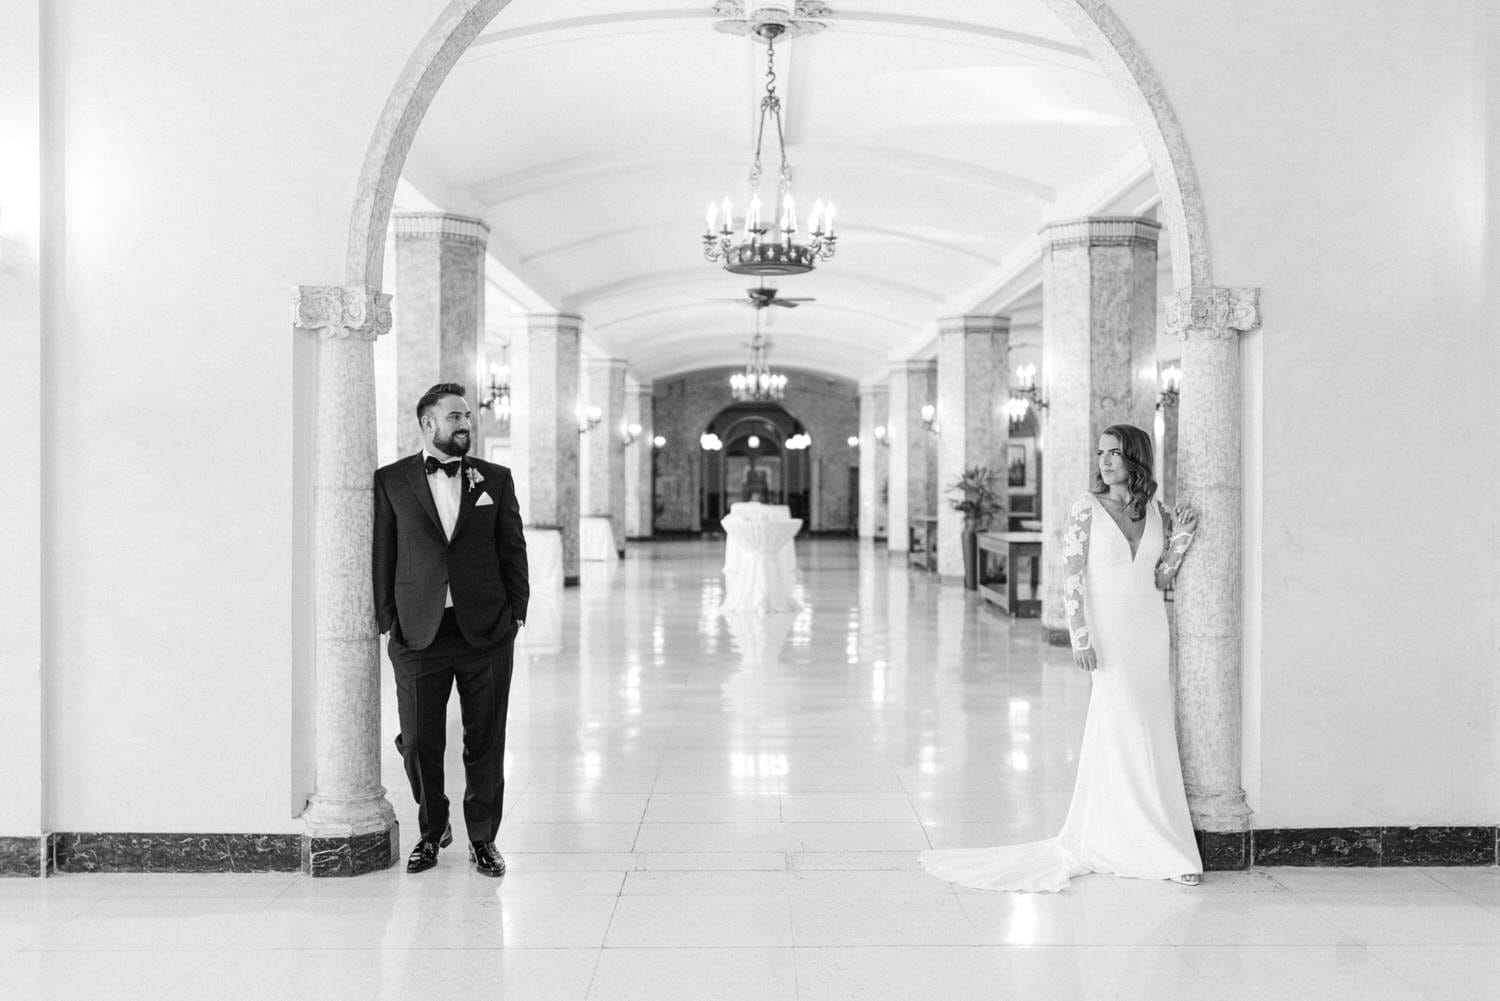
(22, 414)
(211, 155)
(1340, 147)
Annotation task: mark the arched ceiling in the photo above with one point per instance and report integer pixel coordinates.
(946, 132)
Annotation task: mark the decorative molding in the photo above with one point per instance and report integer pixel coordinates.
(1212, 312)
(440, 225)
(341, 312)
(1101, 231)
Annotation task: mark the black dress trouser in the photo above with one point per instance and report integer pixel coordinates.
(424, 681)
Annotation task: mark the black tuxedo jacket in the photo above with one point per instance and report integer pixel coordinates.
(414, 564)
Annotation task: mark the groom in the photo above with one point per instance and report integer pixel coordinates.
(451, 590)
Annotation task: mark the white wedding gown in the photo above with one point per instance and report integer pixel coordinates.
(1129, 813)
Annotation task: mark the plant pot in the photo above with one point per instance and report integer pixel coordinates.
(970, 540)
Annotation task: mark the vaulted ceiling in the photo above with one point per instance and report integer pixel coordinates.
(591, 135)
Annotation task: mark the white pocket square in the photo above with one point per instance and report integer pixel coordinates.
(484, 499)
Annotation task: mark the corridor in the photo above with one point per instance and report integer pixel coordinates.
(703, 808)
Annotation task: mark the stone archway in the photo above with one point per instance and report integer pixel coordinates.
(349, 825)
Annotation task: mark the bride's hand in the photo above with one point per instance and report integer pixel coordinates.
(1185, 517)
(1086, 659)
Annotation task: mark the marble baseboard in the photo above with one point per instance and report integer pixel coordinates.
(103, 852)
(570, 582)
(355, 856)
(24, 857)
(1352, 847)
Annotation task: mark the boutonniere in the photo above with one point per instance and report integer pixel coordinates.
(474, 477)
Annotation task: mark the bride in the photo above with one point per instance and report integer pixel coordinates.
(1129, 813)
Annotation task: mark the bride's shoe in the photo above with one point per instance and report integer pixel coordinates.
(1187, 879)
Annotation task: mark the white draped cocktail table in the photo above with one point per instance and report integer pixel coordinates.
(758, 577)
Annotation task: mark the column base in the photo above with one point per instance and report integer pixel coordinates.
(570, 581)
(1223, 851)
(344, 838)
(354, 855)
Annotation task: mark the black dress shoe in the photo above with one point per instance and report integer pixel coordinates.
(424, 855)
(486, 860)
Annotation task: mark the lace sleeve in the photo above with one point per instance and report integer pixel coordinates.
(1173, 551)
(1075, 558)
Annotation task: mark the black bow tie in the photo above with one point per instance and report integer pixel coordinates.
(451, 468)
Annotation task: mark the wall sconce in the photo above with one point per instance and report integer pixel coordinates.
(709, 442)
(798, 441)
(882, 435)
(497, 392)
(659, 441)
(1016, 407)
(589, 418)
(1026, 391)
(753, 441)
(929, 419)
(854, 441)
(1171, 385)
(629, 433)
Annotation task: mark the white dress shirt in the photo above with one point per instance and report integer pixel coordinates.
(447, 494)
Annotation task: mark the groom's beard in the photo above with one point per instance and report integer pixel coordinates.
(456, 443)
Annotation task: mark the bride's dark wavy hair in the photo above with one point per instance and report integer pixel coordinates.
(1140, 457)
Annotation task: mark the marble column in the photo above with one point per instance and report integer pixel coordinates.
(349, 827)
(440, 311)
(602, 473)
(1210, 322)
(639, 511)
(544, 428)
(874, 461)
(913, 458)
(973, 389)
(1169, 439)
(1098, 364)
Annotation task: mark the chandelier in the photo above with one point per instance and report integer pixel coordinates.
(757, 383)
(757, 249)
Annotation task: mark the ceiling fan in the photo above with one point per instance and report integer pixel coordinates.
(760, 298)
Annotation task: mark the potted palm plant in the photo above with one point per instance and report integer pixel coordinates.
(979, 501)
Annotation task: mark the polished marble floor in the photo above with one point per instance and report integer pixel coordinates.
(703, 808)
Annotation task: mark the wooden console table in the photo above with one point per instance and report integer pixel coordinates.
(923, 547)
(1010, 572)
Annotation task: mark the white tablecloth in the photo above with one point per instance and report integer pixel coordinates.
(596, 538)
(758, 576)
(755, 511)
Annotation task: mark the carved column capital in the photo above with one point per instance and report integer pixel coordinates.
(440, 225)
(1101, 231)
(1213, 313)
(341, 312)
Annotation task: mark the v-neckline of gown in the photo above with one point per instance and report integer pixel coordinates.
(1134, 550)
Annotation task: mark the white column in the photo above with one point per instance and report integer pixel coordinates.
(1098, 364)
(639, 515)
(973, 388)
(603, 449)
(874, 460)
(544, 428)
(913, 459)
(349, 826)
(1210, 321)
(440, 302)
